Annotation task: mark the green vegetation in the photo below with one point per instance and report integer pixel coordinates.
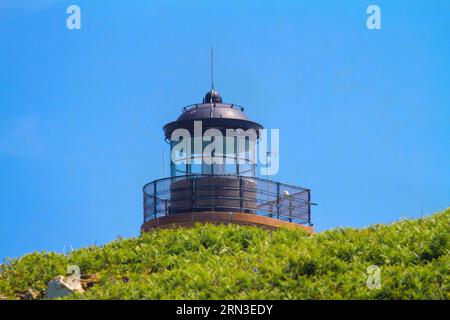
(232, 262)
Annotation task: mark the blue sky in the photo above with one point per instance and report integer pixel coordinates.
(364, 116)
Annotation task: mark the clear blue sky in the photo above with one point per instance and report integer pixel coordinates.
(364, 116)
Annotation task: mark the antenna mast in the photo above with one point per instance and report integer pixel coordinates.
(212, 68)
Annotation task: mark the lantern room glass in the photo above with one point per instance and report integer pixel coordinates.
(241, 161)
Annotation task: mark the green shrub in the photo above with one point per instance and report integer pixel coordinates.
(233, 262)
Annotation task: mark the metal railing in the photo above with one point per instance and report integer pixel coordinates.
(226, 193)
(196, 105)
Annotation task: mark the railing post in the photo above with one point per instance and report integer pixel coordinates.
(290, 209)
(145, 207)
(268, 199)
(278, 200)
(194, 193)
(166, 207)
(241, 194)
(154, 199)
(309, 208)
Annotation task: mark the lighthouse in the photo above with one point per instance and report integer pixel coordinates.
(214, 177)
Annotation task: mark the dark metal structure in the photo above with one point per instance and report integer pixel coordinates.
(226, 193)
(197, 185)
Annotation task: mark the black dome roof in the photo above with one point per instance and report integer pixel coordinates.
(214, 113)
(212, 96)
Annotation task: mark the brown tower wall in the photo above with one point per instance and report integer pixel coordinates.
(217, 218)
(218, 193)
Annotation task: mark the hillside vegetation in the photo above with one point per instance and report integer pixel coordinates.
(232, 262)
